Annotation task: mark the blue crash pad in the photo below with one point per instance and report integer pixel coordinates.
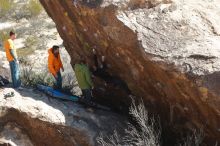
(57, 94)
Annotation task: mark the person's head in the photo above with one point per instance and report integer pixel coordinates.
(55, 50)
(12, 35)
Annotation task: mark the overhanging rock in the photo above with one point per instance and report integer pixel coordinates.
(141, 46)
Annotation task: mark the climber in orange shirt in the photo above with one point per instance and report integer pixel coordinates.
(55, 65)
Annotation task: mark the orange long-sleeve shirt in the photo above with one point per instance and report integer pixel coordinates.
(9, 45)
(54, 63)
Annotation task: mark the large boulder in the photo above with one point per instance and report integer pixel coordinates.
(164, 50)
(31, 118)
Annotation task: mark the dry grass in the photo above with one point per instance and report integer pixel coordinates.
(147, 133)
(30, 78)
(29, 10)
(34, 7)
(194, 139)
(6, 7)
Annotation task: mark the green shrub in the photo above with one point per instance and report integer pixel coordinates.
(31, 41)
(34, 7)
(30, 78)
(3, 35)
(194, 139)
(147, 132)
(21, 13)
(31, 44)
(5, 7)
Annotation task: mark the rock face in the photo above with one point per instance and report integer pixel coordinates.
(31, 118)
(159, 48)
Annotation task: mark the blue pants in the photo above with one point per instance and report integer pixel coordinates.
(15, 74)
(58, 84)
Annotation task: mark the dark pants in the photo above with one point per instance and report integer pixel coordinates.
(87, 94)
(15, 74)
(58, 83)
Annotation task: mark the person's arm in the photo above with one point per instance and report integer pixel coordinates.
(13, 54)
(61, 64)
(96, 61)
(88, 77)
(104, 64)
(50, 66)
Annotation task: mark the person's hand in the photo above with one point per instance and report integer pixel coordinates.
(94, 51)
(55, 76)
(103, 58)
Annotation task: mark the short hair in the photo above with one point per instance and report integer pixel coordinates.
(11, 33)
(55, 48)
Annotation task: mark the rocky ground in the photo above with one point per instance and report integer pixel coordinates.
(32, 118)
(13, 135)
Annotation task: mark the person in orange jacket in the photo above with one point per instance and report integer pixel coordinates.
(55, 65)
